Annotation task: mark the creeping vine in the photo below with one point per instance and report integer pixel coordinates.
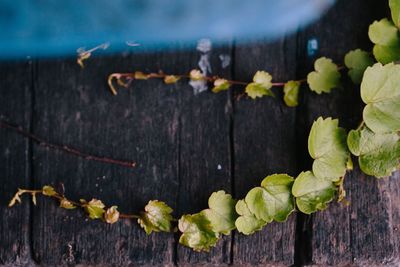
(375, 144)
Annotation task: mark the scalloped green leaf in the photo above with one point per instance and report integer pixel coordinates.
(247, 223)
(291, 93)
(272, 201)
(384, 32)
(197, 232)
(95, 208)
(386, 54)
(221, 212)
(279, 198)
(254, 90)
(261, 85)
(357, 62)
(327, 146)
(380, 90)
(312, 193)
(220, 85)
(156, 217)
(395, 11)
(263, 78)
(325, 77)
(378, 153)
(256, 200)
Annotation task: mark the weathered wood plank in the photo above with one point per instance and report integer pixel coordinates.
(264, 143)
(75, 107)
(205, 153)
(15, 106)
(362, 233)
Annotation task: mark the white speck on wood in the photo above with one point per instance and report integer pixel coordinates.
(225, 60)
(204, 46)
(198, 86)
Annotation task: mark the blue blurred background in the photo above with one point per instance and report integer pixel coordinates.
(53, 27)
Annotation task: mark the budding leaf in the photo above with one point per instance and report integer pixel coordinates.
(170, 79)
(291, 93)
(247, 223)
(66, 204)
(312, 193)
(95, 208)
(196, 75)
(357, 62)
(111, 215)
(325, 77)
(221, 212)
(378, 153)
(220, 85)
(263, 78)
(327, 146)
(197, 232)
(261, 85)
(380, 90)
(48, 191)
(156, 217)
(140, 75)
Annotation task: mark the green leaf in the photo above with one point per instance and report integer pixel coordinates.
(291, 93)
(156, 217)
(380, 90)
(325, 77)
(280, 202)
(221, 212)
(48, 191)
(327, 146)
(386, 54)
(95, 208)
(220, 85)
(379, 153)
(384, 32)
(272, 201)
(263, 78)
(256, 200)
(395, 11)
(247, 223)
(357, 61)
(261, 85)
(197, 232)
(312, 193)
(254, 90)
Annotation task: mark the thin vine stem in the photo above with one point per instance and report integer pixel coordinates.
(60, 197)
(64, 148)
(161, 75)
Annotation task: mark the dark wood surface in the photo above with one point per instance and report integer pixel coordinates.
(186, 146)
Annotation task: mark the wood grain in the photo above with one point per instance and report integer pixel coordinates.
(186, 146)
(264, 144)
(361, 233)
(75, 107)
(15, 107)
(205, 154)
